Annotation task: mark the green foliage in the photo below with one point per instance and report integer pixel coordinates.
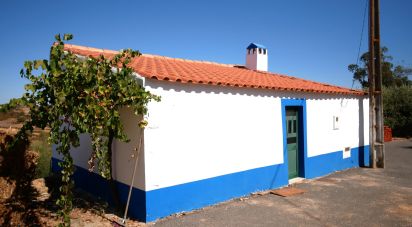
(397, 96)
(397, 105)
(13, 103)
(75, 95)
(391, 75)
(43, 148)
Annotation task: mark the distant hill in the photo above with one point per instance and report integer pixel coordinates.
(13, 115)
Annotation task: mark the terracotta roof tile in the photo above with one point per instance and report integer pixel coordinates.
(204, 72)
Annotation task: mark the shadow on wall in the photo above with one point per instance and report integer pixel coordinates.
(257, 92)
(278, 176)
(363, 155)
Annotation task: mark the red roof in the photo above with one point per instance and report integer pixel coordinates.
(202, 72)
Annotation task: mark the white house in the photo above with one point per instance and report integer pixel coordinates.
(225, 131)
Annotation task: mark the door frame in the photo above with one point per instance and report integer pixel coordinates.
(300, 105)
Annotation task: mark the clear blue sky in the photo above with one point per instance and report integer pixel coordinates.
(314, 39)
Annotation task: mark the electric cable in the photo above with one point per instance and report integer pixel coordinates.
(361, 38)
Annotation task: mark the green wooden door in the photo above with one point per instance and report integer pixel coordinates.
(292, 142)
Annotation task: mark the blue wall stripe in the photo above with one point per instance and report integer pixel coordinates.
(151, 205)
(194, 195)
(99, 187)
(327, 163)
(185, 197)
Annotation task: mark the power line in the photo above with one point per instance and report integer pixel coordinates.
(363, 28)
(361, 38)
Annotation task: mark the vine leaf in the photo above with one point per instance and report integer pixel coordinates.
(73, 96)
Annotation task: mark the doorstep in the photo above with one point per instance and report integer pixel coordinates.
(296, 180)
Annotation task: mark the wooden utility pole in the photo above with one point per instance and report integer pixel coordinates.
(376, 142)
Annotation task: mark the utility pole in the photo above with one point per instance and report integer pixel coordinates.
(376, 142)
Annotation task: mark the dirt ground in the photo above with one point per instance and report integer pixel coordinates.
(28, 202)
(39, 208)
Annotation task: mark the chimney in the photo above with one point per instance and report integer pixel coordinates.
(257, 57)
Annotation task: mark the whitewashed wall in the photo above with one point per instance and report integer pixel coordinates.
(123, 163)
(322, 138)
(202, 131)
(80, 154)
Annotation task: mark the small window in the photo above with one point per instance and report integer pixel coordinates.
(294, 126)
(335, 122)
(254, 50)
(260, 50)
(264, 51)
(289, 126)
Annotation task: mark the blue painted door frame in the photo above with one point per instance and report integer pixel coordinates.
(300, 104)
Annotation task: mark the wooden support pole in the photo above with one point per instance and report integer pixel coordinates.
(371, 84)
(376, 133)
(379, 143)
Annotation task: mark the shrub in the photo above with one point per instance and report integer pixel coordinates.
(397, 108)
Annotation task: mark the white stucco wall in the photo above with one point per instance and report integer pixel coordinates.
(80, 154)
(123, 163)
(322, 138)
(201, 131)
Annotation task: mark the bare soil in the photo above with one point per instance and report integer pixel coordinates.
(25, 201)
(38, 208)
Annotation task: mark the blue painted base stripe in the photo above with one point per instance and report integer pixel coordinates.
(185, 197)
(151, 205)
(99, 187)
(328, 163)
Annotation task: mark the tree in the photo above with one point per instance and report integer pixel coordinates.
(397, 103)
(397, 91)
(75, 95)
(391, 75)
